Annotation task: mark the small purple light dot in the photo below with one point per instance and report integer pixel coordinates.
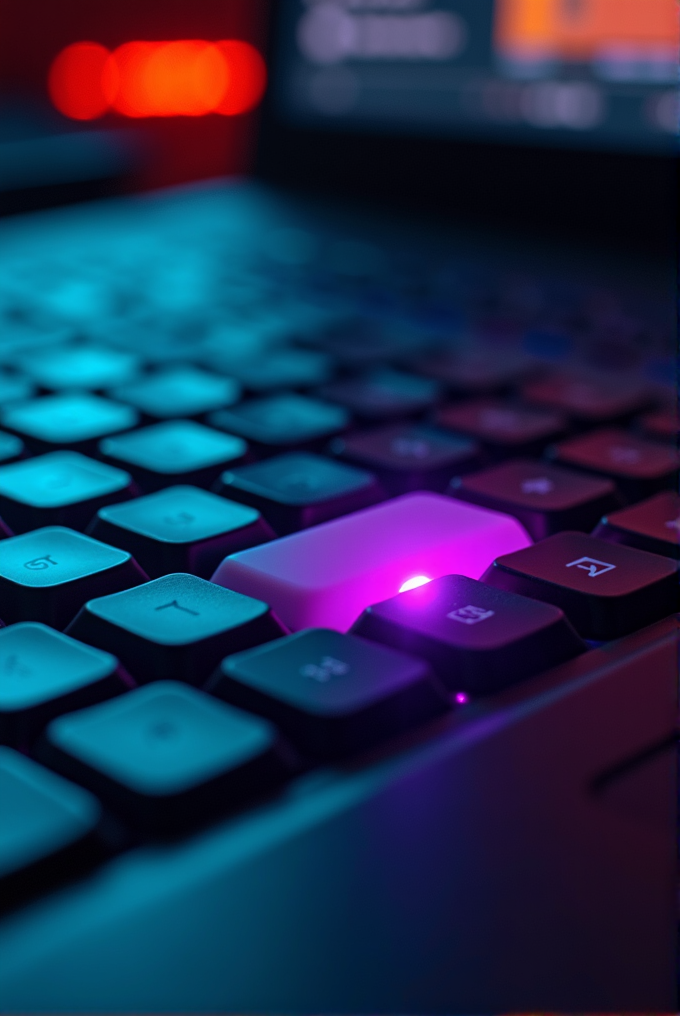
(462, 698)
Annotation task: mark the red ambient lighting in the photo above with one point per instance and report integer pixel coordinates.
(187, 77)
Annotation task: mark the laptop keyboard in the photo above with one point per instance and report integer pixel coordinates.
(262, 509)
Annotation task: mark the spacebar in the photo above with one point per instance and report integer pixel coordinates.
(327, 575)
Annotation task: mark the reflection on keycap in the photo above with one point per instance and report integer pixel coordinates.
(178, 626)
(166, 756)
(179, 391)
(71, 419)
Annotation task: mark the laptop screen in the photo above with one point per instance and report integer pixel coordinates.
(580, 73)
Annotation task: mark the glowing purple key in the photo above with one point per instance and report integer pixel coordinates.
(327, 575)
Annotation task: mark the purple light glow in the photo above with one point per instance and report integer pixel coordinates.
(462, 698)
(417, 580)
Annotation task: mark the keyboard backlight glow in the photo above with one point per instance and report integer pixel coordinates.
(413, 583)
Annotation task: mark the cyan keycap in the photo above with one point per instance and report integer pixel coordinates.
(11, 446)
(79, 366)
(177, 627)
(280, 368)
(166, 756)
(179, 450)
(280, 420)
(44, 673)
(74, 419)
(14, 388)
(180, 529)
(179, 391)
(60, 488)
(48, 574)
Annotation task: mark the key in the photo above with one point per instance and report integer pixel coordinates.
(14, 388)
(48, 574)
(545, 498)
(44, 673)
(280, 368)
(166, 756)
(177, 627)
(179, 391)
(478, 640)
(332, 694)
(279, 420)
(73, 419)
(60, 488)
(639, 467)
(660, 425)
(588, 400)
(503, 428)
(476, 372)
(408, 457)
(327, 575)
(383, 394)
(176, 450)
(652, 525)
(48, 827)
(605, 590)
(180, 529)
(79, 366)
(11, 447)
(299, 490)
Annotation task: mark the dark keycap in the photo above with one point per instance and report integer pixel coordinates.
(75, 420)
(383, 394)
(177, 627)
(300, 489)
(476, 372)
(179, 391)
(14, 388)
(409, 457)
(79, 366)
(180, 529)
(359, 342)
(280, 368)
(175, 451)
(48, 827)
(48, 574)
(166, 756)
(639, 467)
(60, 488)
(660, 425)
(332, 694)
(503, 428)
(280, 420)
(588, 400)
(477, 639)
(545, 498)
(44, 673)
(11, 447)
(605, 590)
(652, 525)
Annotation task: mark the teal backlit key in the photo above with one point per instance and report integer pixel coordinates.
(47, 575)
(79, 366)
(179, 391)
(166, 756)
(177, 627)
(44, 673)
(175, 451)
(285, 420)
(60, 488)
(75, 420)
(11, 446)
(180, 529)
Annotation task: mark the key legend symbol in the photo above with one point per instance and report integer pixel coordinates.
(539, 485)
(329, 667)
(470, 614)
(592, 566)
(40, 563)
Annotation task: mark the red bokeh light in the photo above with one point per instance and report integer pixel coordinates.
(143, 79)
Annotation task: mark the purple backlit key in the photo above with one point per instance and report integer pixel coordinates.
(325, 576)
(503, 427)
(652, 525)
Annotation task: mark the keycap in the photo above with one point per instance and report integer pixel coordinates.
(44, 673)
(476, 371)
(280, 368)
(177, 627)
(178, 391)
(503, 428)
(14, 388)
(72, 419)
(652, 525)
(48, 574)
(60, 488)
(332, 694)
(81, 365)
(606, 590)
(11, 447)
(639, 467)
(166, 756)
(660, 424)
(300, 489)
(280, 420)
(180, 529)
(325, 576)
(478, 640)
(383, 394)
(545, 498)
(408, 457)
(588, 400)
(176, 450)
(47, 830)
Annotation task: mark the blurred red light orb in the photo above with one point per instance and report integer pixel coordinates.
(75, 81)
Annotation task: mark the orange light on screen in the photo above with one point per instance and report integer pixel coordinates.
(143, 79)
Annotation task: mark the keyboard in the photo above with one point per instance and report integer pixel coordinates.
(338, 573)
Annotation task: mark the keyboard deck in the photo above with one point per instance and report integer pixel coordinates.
(295, 512)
